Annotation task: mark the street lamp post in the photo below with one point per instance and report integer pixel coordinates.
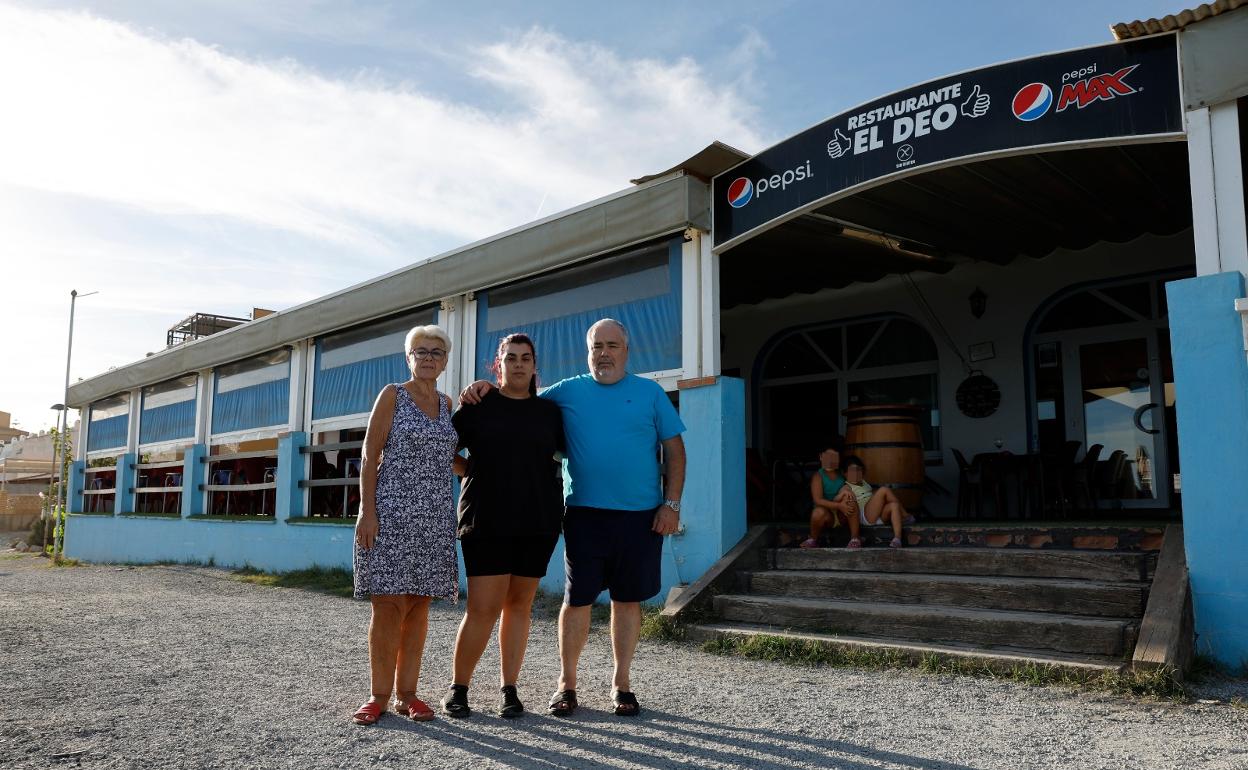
(59, 543)
(58, 473)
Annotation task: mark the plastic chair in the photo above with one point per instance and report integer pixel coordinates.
(270, 475)
(222, 477)
(1083, 486)
(171, 480)
(354, 467)
(970, 480)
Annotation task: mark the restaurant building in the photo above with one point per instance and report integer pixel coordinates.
(1042, 261)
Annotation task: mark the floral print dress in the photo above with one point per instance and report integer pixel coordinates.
(414, 552)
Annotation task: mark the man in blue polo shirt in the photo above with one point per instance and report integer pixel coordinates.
(620, 502)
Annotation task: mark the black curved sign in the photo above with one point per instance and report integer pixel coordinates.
(1121, 90)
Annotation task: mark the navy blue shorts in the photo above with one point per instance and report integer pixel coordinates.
(612, 550)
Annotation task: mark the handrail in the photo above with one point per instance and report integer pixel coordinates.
(103, 469)
(109, 491)
(166, 464)
(154, 490)
(351, 482)
(316, 448)
(235, 487)
(239, 456)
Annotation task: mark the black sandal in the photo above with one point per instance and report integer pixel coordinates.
(455, 702)
(511, 706)
(563, 704)
(626, 704)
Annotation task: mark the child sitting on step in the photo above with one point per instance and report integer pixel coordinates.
(834, 502)
(875, 506)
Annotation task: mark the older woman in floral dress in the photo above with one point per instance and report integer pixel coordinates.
(405, 533)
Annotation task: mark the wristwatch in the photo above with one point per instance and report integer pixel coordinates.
(673, 504)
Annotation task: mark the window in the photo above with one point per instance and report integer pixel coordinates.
(158, 482)
(168, 410)
(252, 393)
(108, 423)
(809, 375)
(640, 289)
(354, 365)
(99, 488)
(242, 478)
(334, 476)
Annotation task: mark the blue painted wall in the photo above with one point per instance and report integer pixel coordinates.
(713, 512)
(1211, 383)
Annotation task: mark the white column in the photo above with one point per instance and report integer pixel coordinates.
(298, 385)
(467, 342)
(691, 305)
(451, 318)
(132, 424)
(709, 264)
(203, 406)
(1216, 171)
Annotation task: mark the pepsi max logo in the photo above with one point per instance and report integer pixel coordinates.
(740, 192)
(1032, 101)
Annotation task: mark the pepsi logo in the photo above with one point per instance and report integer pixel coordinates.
(740, 192)
(1032, 101)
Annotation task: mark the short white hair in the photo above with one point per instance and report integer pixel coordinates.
(589, 333)
(430, 332)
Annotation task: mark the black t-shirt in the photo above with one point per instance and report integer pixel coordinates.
(514, 486)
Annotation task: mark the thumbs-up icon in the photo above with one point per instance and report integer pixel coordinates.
(839, 145)
(976, 105)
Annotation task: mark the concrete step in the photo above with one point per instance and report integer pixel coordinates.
(1001, 660)
(1079, 565)
(1072, 597)
(935, 623)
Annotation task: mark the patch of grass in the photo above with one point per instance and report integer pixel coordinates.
(805, 652)
(329, 580)
(1158, 684)
(656, 628)
(62, 561)
(1239, 703)
(231, 517)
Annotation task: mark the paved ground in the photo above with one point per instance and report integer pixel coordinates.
(185, 667)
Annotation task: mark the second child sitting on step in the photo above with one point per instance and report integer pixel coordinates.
(875, 506)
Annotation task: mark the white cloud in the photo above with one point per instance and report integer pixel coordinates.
(179, 178)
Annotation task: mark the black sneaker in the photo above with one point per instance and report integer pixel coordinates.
(455, 702)
(510, 706)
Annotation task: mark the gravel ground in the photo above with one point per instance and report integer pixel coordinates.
(145, 667)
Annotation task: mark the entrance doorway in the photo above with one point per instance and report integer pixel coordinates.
(1104, 398)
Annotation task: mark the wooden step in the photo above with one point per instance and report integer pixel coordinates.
(1073, 597)
(1000, 562)
(935, 623)
(1002, 660)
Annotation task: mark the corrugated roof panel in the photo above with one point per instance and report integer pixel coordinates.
(1171, 22)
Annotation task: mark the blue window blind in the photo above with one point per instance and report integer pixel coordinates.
(109, 422)
(640, 289)
(168, 410)
(252, 393)
(353, 366)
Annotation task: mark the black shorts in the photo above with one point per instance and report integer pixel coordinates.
(610, 549)
(520, 556)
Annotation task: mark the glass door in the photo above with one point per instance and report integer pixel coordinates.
(1116, 386)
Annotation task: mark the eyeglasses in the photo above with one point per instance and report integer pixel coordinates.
(421, 354)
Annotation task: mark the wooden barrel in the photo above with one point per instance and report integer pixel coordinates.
(887, 438)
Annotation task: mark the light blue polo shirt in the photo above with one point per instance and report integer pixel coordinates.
(613, 434)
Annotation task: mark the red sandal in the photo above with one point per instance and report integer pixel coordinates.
(368, 714)
(418, 710)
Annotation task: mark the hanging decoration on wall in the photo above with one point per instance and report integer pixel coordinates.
(978, 395)
(979, 302)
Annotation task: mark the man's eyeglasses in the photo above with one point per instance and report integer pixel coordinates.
(421, 354)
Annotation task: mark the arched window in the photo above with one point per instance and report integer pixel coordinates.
(810, 374)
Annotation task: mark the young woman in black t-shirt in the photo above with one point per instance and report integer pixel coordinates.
(510, 514)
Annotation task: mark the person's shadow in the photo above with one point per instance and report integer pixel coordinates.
(655, 739)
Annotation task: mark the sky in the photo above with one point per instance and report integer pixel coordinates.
(221, 156)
